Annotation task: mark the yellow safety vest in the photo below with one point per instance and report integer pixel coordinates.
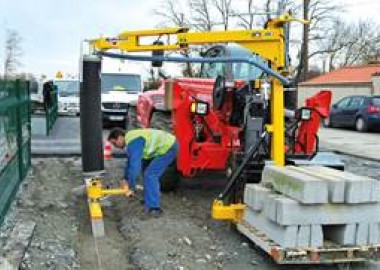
(157, 142)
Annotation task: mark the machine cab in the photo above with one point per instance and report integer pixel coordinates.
(231, 71)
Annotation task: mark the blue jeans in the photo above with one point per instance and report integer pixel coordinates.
(152, 175)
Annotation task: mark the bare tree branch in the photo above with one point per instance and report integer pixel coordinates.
(13, 52)
(202, 17)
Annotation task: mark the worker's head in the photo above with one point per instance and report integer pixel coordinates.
(116, 137)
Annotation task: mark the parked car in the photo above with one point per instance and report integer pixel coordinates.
(359, 112)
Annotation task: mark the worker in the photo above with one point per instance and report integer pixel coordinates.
(159, 148)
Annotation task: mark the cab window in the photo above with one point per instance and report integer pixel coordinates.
(212, 70)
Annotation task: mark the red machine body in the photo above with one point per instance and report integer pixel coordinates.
(308, 130)
(147, 103)
(205, 141)
(217, 139)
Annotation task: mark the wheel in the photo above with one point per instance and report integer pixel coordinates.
(170, 179)
(161, 120)
(361, 125)
(131, 120)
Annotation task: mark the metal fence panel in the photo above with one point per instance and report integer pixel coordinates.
(14, 139)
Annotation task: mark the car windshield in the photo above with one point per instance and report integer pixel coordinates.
(67, 88)
(121, 82)
(376, 102)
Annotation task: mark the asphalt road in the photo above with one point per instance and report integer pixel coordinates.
(363, 145)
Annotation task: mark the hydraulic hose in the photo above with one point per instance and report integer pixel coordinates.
(237, 173)
(249, 60)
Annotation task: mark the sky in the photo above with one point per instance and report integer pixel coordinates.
(52, 30)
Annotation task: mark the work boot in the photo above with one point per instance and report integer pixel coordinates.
(155, 212)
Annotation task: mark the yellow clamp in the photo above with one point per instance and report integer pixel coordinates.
(95, 192)
(232, 212)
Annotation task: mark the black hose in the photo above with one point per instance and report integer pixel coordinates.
(237, 173)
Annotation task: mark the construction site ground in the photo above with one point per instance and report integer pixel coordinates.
(185, 237)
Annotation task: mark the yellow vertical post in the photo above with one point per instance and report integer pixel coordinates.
(278, 124)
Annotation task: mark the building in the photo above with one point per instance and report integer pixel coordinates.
(355, 80)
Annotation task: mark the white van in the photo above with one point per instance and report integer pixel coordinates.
(68, 96)
(118, 91)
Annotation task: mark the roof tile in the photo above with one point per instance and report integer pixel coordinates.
(346, 75)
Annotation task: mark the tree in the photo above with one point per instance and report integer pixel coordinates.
(349, 44)
(201, 10)
(172, 13)
(13, 52)
(321, 14)
(225, 11)
(246, 19)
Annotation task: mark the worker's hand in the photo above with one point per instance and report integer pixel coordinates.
(128, 191)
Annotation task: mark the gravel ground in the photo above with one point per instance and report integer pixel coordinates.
(185, 237)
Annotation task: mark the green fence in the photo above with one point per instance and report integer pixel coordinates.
(52, 110)
(15, 139)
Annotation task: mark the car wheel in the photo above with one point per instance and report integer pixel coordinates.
(360, 125)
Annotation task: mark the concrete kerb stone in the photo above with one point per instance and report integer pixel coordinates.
(286, 236)
(362, 234)
(374, 233)
(299, 186)
(336, 186)
(359, 189)
(290, 212)
(303, 236)
(316, 236)
(254, 195)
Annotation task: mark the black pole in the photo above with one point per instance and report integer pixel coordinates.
(91, 115)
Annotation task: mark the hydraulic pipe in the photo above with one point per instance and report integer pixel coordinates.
(249, 60)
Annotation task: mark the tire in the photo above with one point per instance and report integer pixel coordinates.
(161, 120)
(170, 179)
(361, 125)
(131, 122)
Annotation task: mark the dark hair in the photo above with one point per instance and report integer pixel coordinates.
(115, 133)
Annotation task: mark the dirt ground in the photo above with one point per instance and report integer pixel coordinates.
(185, 237)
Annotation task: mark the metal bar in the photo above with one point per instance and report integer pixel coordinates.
(176, 59)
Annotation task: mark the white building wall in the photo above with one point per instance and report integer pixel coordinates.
(376, 84)
(338, 91)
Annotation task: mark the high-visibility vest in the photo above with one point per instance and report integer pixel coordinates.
(157, 142)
